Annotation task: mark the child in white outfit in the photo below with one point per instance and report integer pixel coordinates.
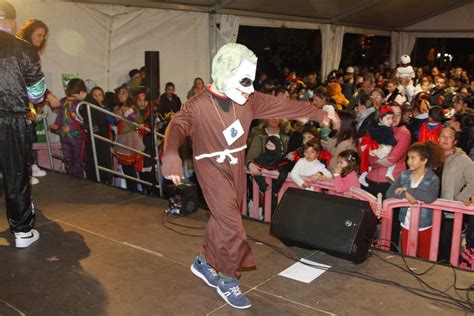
(309, 166)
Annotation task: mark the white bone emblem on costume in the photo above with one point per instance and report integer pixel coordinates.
(222, 155)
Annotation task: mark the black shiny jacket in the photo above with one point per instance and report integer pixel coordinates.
(20, 67)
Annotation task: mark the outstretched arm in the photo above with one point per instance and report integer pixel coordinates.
(267, 106)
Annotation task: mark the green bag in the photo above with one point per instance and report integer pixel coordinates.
(40, 132)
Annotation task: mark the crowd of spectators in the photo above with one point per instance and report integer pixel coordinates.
(408, 131)
(394, 125)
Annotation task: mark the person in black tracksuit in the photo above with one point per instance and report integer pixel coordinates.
(21, 81)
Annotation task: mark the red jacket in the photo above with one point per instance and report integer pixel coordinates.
(427, 133)
(396, 156)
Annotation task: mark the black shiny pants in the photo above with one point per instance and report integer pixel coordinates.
(15, 153)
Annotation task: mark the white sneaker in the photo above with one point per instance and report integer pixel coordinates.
(37, 172)
(23, 240)
(34, 180)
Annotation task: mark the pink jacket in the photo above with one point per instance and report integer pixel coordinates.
(396, 156)
(343, 184)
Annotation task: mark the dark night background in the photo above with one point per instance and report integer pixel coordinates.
(300, 49)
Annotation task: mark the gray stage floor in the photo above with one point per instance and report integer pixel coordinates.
(104, 251)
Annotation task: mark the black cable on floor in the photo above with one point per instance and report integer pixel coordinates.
(434, 295)
(164, 216)
(464, 305)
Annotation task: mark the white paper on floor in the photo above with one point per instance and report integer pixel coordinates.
(304, 273)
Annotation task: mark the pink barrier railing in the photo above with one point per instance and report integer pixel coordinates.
(320, 186)
(383, 211)
(440, 205)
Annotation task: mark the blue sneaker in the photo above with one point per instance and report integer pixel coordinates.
(230, 291)
(205, 272)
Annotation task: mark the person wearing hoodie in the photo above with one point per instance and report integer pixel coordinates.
(457, 183)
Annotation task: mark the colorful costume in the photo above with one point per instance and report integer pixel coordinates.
(72, 141)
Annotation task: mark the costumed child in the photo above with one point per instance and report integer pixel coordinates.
(378, 142)
(345, 172)
(310, 167)
(418, 183)
(71, 135)
(127, 134)
(272, 159)
(430, 130)
(218, 121)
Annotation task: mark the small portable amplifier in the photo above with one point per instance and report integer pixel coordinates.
(182, 199)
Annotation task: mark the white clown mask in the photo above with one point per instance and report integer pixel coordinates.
(239, 86)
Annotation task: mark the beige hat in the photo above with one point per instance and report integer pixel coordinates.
(349, 70)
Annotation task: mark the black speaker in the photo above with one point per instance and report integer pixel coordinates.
(183, 199)
(339, 226)
(152, 73)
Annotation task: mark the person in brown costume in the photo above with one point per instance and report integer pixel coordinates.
(218, 120)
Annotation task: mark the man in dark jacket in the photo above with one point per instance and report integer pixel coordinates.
(21, 81)
(439, 95)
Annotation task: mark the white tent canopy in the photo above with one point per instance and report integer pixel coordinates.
(103, 40)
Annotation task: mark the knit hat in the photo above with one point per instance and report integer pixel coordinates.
(405, 60)
(7, 11)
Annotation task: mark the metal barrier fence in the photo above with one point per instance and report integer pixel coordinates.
(93, 136)
(383, 211)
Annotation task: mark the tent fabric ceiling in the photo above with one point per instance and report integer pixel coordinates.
(376, 14)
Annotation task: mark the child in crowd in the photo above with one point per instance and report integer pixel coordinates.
(100, 126)
(308, 134)
(420, 108)
(71, 135)
(418, 183)
(127, 135)
(345, 173)
(378, 142)
(309, 166)
(146, 113)
(272, 159)
(430, 130)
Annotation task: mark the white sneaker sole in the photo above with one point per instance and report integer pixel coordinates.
(26, 242)
(39, 174)
(224, 297)
(202, 277)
